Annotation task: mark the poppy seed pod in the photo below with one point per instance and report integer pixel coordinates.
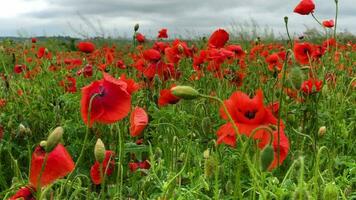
(99, 151)
(185, 92)
(54, 138)
(267, 156)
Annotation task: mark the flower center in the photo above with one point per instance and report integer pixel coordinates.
(250, 114)
(101, 91)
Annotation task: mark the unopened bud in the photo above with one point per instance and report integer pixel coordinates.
(286, 19)
(206, 154)
(43, 144)
(331, 192)
(136, 27)
(54, 138)
(322, 131)
(185, 92)
(22, 129)
(267, 156)
(99, 151)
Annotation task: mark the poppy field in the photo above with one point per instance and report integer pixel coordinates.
(166, 118)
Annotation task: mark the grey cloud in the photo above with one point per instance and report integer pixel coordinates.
(180, 16)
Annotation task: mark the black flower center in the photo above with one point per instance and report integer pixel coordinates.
(250, 114)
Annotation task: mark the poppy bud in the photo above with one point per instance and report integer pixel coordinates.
(185, 92)
(322, 131)
(43, 144)
(330, 192)
(267, 156)
(54, 138)
(136, 27)
(99, 151)
(286, 19)
(206, 154)
(210, 166)
(22, 129)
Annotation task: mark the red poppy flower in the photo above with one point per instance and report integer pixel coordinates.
(138, 121)
(151, 55)
(86, 47)
(140, 38)
(166, 97)
(59, 164)
(33, 40)
(218, 39)
(274, 63)
(25, 193)
(237, 49)
(108, 167)
(132, 86)
(139, 165)
(2, 103)
(305, 7)
(248, 114)
(87, 71)
(303, 52)
(18, 69)
(172, 55)
(120, 64)
(112, 103)
(162, 33)
(311, 86)
(41, 52)
(328, 23)
(69, 84)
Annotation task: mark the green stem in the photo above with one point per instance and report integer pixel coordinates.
(102, 177)
(38, 187)
(280, 106)
(85, 140)
(312, 14)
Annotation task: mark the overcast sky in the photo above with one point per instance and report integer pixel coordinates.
(181, 17)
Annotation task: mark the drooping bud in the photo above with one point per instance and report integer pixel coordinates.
(331, 192)
(185, 92)
(136, 27)
(322, 131)
(54, 138)
(99, 151)
(267, 156)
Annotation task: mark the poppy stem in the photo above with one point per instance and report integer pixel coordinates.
(85, 139)
(312, 14)
(38, 187)
(102, 192)
(281, 106)
(287, 29)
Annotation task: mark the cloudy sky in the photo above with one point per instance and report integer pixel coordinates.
(182, 17)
